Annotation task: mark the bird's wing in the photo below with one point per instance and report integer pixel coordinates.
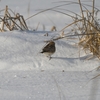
(47, 48)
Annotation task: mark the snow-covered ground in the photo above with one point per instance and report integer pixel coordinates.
(26, 74)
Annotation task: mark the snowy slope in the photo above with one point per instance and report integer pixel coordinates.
(21, 51)
(26, 74)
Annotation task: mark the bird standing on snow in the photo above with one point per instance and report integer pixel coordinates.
(49, 49)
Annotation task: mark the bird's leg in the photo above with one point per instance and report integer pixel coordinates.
(50, 58)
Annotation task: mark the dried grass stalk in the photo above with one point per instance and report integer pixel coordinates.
(87, 29)
(10, 23)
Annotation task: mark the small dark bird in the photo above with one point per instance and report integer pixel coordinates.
(49, 49)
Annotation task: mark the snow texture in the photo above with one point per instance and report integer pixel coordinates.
(26, 74)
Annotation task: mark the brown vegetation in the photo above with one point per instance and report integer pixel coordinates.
(9, 22)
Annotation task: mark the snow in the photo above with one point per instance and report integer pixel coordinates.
(26, 74)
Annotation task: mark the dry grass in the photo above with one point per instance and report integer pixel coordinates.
(53, 28)
(90, 27)
(11, 21)
(85, 26)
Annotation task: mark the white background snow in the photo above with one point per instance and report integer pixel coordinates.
(25, 74)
